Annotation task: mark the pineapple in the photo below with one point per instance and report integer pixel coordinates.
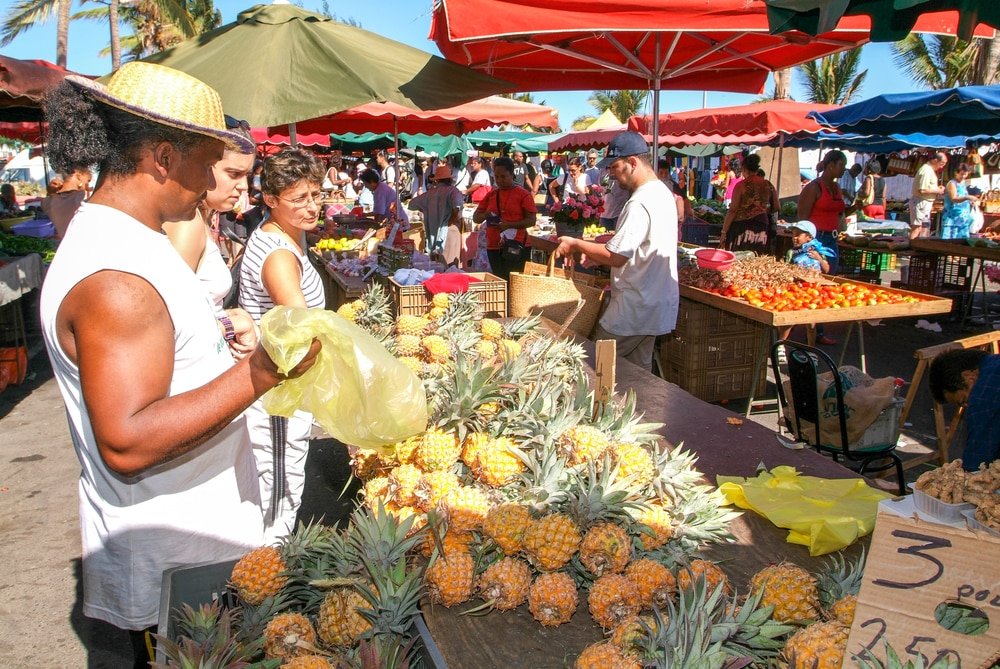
(436, 313)
(818, 646)
(259, 574)
(790, 589)
(408, 346)
(473, 444)
(403, 484)
(449, 578)
(656, 584)
(415, 326)
(436, 349)
(491, 330)
(433, 487)
(367, 463)
(656, 526)
(612, 599)
(605, 655)
(415, 365)
(605, 549)
(551, 541)
(583, 443)
(508, 349)
(709, 571)
(498, 462)
(466, 508)
(839, 585)
(635, 463)
(486, 349)
(630, 633)
(440, 301)
(451, 541)
(437, 451)
(338, 621)
(308, 662)
(289, 635)
(505, 584)
(349, 310)
(552, 598)
(506, 525)
(406, 450)
(376, 489)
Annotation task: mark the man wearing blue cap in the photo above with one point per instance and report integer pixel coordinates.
(642, 254)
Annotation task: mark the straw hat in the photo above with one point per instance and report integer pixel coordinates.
(442, 172)
(166, 96)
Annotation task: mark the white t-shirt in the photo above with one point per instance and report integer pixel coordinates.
(644, 291)
(461, 179)
(482, 178)
(200, 507)
(389, 174)
(253, 295)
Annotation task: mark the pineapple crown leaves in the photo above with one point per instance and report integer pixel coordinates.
(472, 385)
(517, 328)
(253, 620)
(676, 469)
(305, 544)
(840, 578)
(702, 517)
(393, 604)
(392, 653)
(867, 659)
(685, 640)
(749, 632)
(382, 540)
(197, 624)
(621, 422)
(546, 482)
(219, 650)
(596, 494)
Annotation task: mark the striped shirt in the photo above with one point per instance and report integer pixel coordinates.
(253, 296)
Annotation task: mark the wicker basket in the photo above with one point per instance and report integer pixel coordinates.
(571, 303)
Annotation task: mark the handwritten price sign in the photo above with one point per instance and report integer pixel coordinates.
(913, 567)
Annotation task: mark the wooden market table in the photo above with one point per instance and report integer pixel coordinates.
(342, 288)
(515, 639)
(780, 320)
(977, 255)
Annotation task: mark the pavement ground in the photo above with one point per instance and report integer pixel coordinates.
(41, 624)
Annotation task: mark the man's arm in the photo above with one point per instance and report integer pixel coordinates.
(570, 247)
(117, 329)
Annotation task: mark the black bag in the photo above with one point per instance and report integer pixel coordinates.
(514, 251)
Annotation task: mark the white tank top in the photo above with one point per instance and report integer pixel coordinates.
(200, 507)
(253, 296)
(214, 274)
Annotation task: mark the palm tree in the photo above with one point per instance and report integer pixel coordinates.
(154, 23)
(28, 13)
(834, 80)
(942, 61)
(623, 104)
(583, 122)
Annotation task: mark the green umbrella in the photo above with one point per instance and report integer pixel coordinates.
(892, 20)
(278, 64)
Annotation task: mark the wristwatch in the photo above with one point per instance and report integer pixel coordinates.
(227, 323)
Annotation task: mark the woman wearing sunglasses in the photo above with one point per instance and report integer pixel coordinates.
(275, 272)
(194, 240)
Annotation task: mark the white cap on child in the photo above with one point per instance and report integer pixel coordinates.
(805, 226)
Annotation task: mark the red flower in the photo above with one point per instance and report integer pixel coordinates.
(574, 214)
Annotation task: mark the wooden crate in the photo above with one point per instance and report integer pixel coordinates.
(415, 300)
(712, 353)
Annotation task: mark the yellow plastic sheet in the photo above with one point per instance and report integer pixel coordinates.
(357, 390)
(825, 515)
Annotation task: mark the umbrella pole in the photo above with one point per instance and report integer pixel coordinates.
(293, 136)
(656, 104)
(396, 172)
(45, 158)
(781, 154)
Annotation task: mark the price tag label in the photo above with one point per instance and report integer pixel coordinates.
(914, 567)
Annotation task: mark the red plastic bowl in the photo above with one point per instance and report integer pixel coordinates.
(714, 258)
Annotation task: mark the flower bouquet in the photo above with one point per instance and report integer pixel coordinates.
(577, 212)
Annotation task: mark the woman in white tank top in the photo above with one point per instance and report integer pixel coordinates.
(193, 238)
(276, 271)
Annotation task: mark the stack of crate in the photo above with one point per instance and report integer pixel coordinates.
(712, 353)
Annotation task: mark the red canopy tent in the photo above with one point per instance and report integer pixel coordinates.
(23, 84)
(380, 117)
(27, 131)
(758, 123)
(620, 44)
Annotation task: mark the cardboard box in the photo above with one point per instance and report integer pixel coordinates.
(913, 566)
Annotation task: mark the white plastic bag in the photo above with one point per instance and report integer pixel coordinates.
(977, 219)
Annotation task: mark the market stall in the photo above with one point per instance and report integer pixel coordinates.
(953, 265)
(18, 277)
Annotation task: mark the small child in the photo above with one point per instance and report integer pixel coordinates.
(806, 251)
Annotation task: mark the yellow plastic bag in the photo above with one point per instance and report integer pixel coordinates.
(357, 390)
(824, 514)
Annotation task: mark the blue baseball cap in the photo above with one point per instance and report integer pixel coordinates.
(805, 226)
(624, 145)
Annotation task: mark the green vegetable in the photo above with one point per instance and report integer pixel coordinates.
(22, 245)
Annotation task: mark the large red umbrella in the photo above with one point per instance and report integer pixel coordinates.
(719, 45)
(27, 131)
(758, 123)
(23, 84)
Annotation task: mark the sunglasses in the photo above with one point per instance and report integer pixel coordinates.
(234, 123)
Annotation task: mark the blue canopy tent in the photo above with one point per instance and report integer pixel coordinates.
(969, 112)
(872, 143)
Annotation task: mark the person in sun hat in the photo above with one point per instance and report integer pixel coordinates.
(153, 397)
(642, 254)
(441, 206)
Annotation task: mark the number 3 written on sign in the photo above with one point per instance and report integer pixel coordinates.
(918, 550)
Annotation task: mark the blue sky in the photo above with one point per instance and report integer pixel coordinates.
(409, 21)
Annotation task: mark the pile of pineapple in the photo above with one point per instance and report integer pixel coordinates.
(524, 492)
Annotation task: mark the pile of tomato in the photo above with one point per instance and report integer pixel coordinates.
(799, 296)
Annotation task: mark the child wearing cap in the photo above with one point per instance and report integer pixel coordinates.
(806, 250)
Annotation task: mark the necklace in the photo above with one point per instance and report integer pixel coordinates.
(281, 231)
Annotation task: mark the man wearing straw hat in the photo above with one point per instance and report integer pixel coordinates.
(644, 289)
(441, 206)
(153, 396)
